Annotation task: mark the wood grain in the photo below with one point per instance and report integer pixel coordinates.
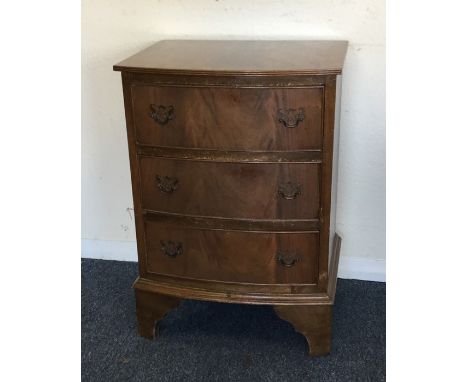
(333, 268)
(238, 57)
(230, 119)
(232, 255)
(313, 322)
(297, 156)
(127, 79)
(151, 308)
(230, 224)
(231, 190)
(326, 180)
(217, 80)
(236, 293)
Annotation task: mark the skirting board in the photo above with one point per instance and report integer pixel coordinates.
(359, 268)
(349, 268)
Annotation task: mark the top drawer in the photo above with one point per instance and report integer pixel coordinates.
(228, 118)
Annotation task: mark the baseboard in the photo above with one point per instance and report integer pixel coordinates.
(349, 267)
(361, 269)
(109, 250)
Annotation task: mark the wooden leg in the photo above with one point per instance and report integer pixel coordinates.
(151, 308)
(312, 321)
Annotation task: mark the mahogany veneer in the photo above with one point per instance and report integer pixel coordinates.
(231, 190)
(229, 118)
(233, 158)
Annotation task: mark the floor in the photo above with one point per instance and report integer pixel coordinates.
(205, 341)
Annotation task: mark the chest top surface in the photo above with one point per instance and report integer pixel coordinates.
(238, 57)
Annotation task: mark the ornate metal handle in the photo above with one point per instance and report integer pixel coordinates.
(162, 114)
(287, 259)
(167, 184)
(171, 248)
(289, 190)
(290, 117)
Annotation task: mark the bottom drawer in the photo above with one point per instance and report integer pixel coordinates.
(233, 256)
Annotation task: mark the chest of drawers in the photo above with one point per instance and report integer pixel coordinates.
(233, 153)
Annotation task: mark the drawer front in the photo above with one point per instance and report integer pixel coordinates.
(233, 256)
(230, 190)
(227, 118)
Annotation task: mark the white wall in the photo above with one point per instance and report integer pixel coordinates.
(113, 30)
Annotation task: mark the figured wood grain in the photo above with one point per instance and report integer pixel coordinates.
(231, 190)
(232, 255)
(238, 57)
(229, 119)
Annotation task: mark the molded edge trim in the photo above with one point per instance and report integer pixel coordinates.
(233, 224)
(157, 71)
(230, 297)
(231, 156)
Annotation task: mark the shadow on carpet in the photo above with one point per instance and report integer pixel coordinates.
(207, 341)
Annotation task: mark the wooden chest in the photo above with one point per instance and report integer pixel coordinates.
(233, 158)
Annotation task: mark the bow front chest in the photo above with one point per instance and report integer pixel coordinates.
(233, 160)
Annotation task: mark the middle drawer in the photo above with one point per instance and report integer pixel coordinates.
(230, 190)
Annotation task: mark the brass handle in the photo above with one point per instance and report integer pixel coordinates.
(289, 190)
(287, 259)
(167, 184)
(162, 114)
(290, 118)
(171, 248)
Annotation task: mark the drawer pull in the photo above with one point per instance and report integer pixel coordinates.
(290, 118)
(167, 184)
(287, 259)
(162, 114)
(289, 190)
(171, 248)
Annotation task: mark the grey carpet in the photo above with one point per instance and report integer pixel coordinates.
(206, 341)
